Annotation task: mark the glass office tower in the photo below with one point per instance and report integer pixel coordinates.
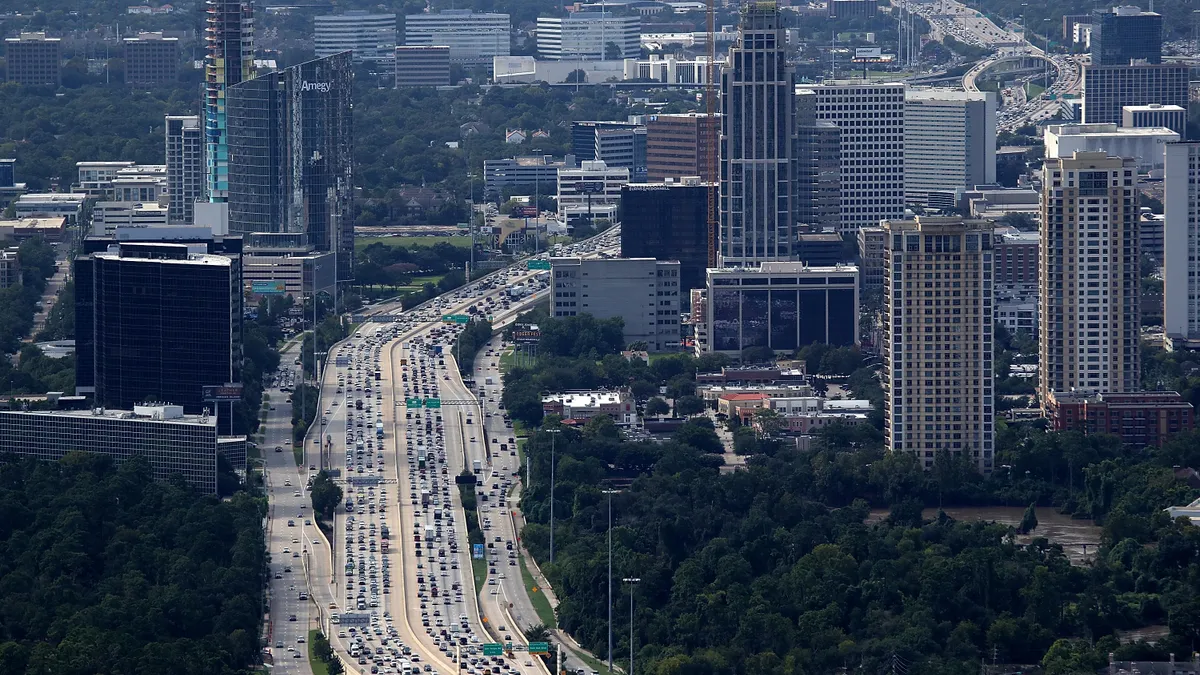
(290, 156)
(157, 322)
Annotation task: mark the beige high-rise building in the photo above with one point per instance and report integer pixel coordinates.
(937, 343)
(1088, 272)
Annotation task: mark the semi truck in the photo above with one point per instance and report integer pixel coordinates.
(477, 466)
(429, 533)
(379, 429)
(425, 497)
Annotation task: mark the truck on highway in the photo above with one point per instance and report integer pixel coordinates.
(429, 533)
(518, 291)
(477, 466)
(425, 497)
(379, 429)
(489, 380)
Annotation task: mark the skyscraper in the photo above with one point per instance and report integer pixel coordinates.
(1125, 34)
(1108, 89)
(937, 343)
(668, 221)
(185, 166)
(678, 146)
(157, 322)
(1089, 276)
(949, 143)
(290, 150)
(818, 165)
(589, 36)
(757, 125)
(229, 39)
(1181, 241)
(372, 37)
(870, 117)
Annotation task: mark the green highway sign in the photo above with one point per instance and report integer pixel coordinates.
(492, 649)
(455, 318)
(412, 402)
(538, 265)
(539, 647)
(508, 646)
(433, 403)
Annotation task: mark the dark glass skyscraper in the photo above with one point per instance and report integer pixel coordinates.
(157, 322)
(668, 221)
(290, 153)
(758, 122)
(1124, 34)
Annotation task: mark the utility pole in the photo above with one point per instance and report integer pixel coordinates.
(610, 493)
(631, 581)
(553, 433)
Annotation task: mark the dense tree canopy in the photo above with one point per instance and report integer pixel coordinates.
(774, 570)
(105, 570)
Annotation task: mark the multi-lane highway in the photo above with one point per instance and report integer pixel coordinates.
(288, 518)
(405, 603)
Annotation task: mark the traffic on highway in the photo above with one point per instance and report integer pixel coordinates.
(397, 592)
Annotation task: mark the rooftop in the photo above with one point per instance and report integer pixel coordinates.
(142, 413)
(586, 399)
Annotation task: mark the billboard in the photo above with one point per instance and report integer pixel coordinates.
(221, 393)
(269, 287)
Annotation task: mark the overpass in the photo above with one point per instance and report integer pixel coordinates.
(1024, 61)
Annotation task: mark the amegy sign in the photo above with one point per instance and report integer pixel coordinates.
(322, 87)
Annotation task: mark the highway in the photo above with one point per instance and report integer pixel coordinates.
(288, 509)
(408, 605)
(951, 18)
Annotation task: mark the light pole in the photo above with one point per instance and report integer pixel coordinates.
(610, 493)
(553, 433)
(631, 581)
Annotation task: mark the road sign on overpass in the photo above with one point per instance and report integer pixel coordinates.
(538, 265)
(412, 402)
(433, 403)
(455, 318)
(539, 647)
(492, 649)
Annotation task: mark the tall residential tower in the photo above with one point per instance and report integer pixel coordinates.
(1089, 276)
(937, 344)
(229, 39)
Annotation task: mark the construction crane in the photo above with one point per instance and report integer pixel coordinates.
(710, 104)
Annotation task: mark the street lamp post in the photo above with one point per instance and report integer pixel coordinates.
(610, 493)
(631, 581)
(553, 433)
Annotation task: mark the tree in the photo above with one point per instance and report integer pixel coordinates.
(612, 51)
(699, 434)
(1029, 521)
(657, 407)
(769, 422)
(758, 354)
(537, 633)
(326, 495)
(689, 405)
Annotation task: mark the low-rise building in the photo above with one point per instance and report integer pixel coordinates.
(151, 59)
(108, 216)
(422, 66)
(581, 406)
(173, 443)
(1147, 418)
(750, 375)
(47, 228)
(33, 59)
(67, 205)
(781, 305)
(1142, 143)
(10, 267)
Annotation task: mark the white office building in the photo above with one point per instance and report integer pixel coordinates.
(474, 38)
(1144, 144)
(870, 117)
(644, 292)
(586, 36)
(108, 216)
(949, 143)
(1181, 240)
(594, 184)
(372, 37)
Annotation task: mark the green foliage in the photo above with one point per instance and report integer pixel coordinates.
(473, 337)
(656, 407)
(326, 495)
(107, 571)
(37, 373)
(582, 335)
(48, 133)
(744, 571)
(820, 358)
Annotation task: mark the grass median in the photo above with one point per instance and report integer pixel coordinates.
(541, 605)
